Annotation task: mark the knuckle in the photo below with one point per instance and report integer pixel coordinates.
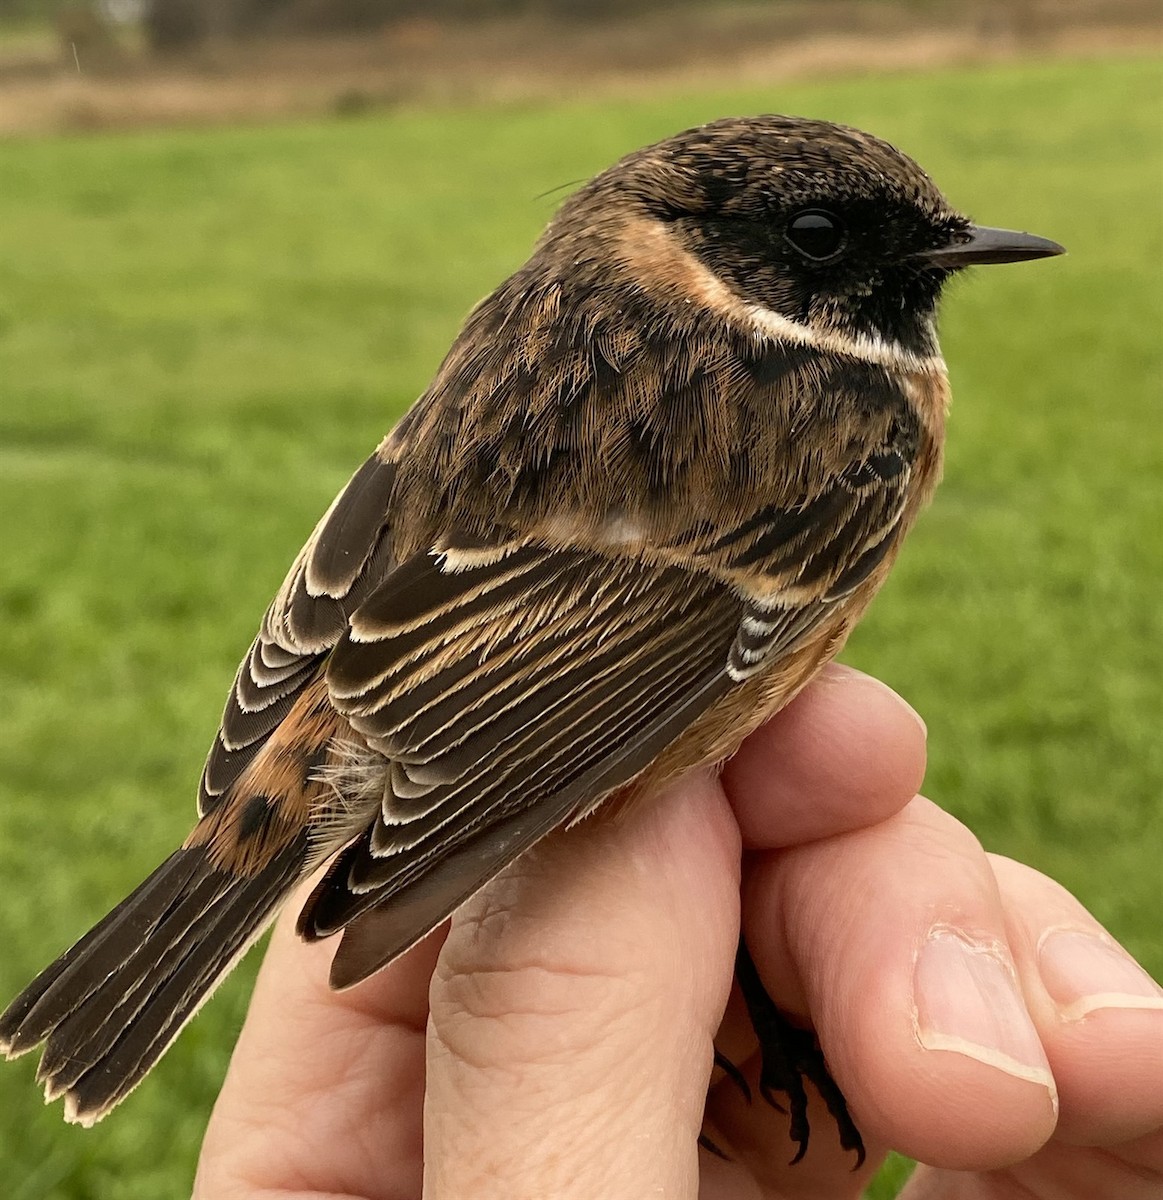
(506, 994)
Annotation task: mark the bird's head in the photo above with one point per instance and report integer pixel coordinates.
(787, 219)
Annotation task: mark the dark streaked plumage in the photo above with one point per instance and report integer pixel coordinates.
(660, 474)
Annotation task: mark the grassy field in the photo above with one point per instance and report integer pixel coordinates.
(201, 334)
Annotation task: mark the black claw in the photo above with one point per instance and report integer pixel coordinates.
(733, 1074)
(850, 1137)
(788, 1056)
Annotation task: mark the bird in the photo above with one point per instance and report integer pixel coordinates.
(656, 480)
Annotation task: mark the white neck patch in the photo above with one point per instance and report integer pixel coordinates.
(768, 324)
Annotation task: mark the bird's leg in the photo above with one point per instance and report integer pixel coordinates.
(788, 1057)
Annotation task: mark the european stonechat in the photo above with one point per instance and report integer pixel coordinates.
(657, 479)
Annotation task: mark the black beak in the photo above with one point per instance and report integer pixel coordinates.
(979, 244)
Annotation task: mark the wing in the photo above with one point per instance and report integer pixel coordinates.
(509, 696)
(508, 690)
(799, 561)
(349, 552)
(825, 544)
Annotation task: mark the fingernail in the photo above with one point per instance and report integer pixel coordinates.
(1084, 972)
(967, 1001)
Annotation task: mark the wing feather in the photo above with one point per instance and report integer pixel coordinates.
(350, 532)
(346, 556)
(541, 709)
(434, 892)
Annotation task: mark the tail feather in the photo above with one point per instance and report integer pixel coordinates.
(19, 1031)
(111, 1006)
(108, 958)
(124, 994)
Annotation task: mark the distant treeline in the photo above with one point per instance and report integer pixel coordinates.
(177, 24)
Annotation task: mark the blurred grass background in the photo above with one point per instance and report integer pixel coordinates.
(203, 333)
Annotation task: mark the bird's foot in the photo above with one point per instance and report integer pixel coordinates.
(789, 1056)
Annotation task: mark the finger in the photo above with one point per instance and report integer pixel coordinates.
(897, 938)
(847, 752)
(573, 1007)
(325, 1089)
(1127, 1171)
(1099, 1014)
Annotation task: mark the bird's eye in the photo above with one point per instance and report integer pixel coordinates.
(816, 234)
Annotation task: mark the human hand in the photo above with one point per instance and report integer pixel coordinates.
(555, 1041)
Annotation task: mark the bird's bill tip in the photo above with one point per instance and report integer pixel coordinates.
(980, 244)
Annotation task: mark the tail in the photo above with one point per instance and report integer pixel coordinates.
(110, 1007)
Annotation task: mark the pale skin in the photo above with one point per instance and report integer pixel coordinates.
(555, 1040)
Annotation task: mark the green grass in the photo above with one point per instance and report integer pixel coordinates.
(202, 333)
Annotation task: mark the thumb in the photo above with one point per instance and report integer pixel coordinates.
(573, 1007)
